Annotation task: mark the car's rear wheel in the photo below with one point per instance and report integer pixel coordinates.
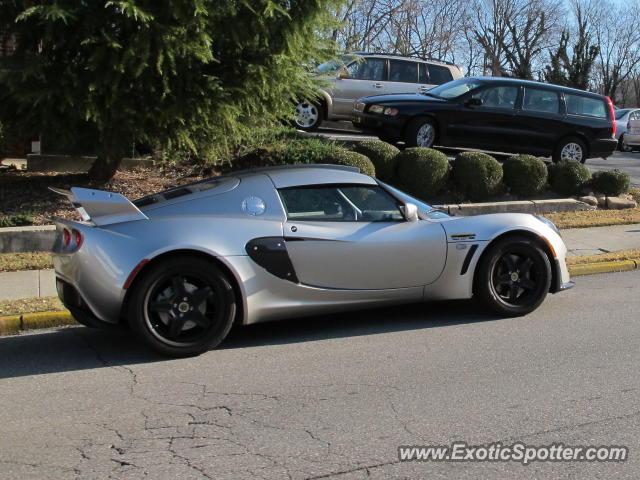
(183, 306)
(513, 276)
(571, 148)
(308, 116)
(421, 132)
(621, 143)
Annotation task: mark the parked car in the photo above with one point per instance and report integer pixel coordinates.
(622, 119)
(182, 266)
(496, 114)
(361, 74)
(631, 139)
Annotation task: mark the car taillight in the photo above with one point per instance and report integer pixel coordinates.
(77, 238)
(71, 240)
(613, 117)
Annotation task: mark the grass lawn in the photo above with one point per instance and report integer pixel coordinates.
(30, 305)
(11, 262)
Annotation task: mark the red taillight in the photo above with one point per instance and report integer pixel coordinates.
(613, 117)
(77, 238)
(66, 238)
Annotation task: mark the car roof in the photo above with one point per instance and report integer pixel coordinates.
(282, 176)
(533, 83)
(404, 57)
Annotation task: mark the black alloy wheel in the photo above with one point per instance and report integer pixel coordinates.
(182, 307)
(514, 276)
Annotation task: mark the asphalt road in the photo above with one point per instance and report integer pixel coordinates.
(333, 397)
(628, 162)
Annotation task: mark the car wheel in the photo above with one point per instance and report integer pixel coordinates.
(621, 143)
(513, 277)
(182, 307)
(626, 148)
(308, 116)
(421, 132)
(570, 148)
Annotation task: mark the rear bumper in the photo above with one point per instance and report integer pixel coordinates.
(73, 301)
(631, 139)
(603, 147)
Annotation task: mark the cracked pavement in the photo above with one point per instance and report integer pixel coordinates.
(333, 396)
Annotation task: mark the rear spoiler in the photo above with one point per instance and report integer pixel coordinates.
(100, 207)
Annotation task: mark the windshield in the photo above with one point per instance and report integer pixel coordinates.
(424, 209)
(455, 88)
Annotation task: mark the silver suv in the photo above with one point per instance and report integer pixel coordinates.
(364, 74)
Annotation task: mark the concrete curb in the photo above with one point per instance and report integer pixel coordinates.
(12, 324)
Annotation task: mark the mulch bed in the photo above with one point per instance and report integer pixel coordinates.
(24, 192)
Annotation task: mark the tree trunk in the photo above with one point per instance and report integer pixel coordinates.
(105, 166)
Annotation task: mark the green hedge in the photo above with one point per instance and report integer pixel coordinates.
(383, 156)
(568, 177)
(477, 175)
(611, 182)
(423, 172)
(525, 174)
(352, 159)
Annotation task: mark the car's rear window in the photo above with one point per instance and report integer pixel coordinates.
(439, 74)
(590, 107)
(621, 113)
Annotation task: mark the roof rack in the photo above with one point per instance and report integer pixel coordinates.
(427, 59)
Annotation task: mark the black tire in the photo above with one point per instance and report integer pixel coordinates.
(420, 132)
(567, 149)
(182, 306)
(513, 277)
(620, 144)
(308, 116)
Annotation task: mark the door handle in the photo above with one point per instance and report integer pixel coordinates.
(377, 85)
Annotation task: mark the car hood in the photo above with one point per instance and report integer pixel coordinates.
(401, 98)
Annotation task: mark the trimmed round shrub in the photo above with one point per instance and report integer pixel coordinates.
(568, 177)
(611, 182)
(477, 175)
(423, 172)
(351, 159)
(382, 155)
(524, 174)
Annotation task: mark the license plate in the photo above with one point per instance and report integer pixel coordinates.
(634, 131)
(355, 119)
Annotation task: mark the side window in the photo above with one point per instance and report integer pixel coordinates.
(503, 96)
(368, 69)
(403, 71)
(348, 203)
(439, 74)
(579, 105)
(538, 100)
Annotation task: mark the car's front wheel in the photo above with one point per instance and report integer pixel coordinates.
(513, 277)
(571, 148)
(308, 116)
(182, 306)
(421, 132)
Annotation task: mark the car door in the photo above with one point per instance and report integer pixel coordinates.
(364, 78)
(355, 237)
(487, 123)
(406, 76)
(539, 120)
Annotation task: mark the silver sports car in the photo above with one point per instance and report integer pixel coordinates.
(182, 266)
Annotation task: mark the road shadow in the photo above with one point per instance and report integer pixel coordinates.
(80, 348)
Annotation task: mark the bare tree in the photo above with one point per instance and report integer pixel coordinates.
(619, 54)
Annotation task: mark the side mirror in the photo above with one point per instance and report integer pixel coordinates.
(474, 102)
(410, 211)
(344, 73)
